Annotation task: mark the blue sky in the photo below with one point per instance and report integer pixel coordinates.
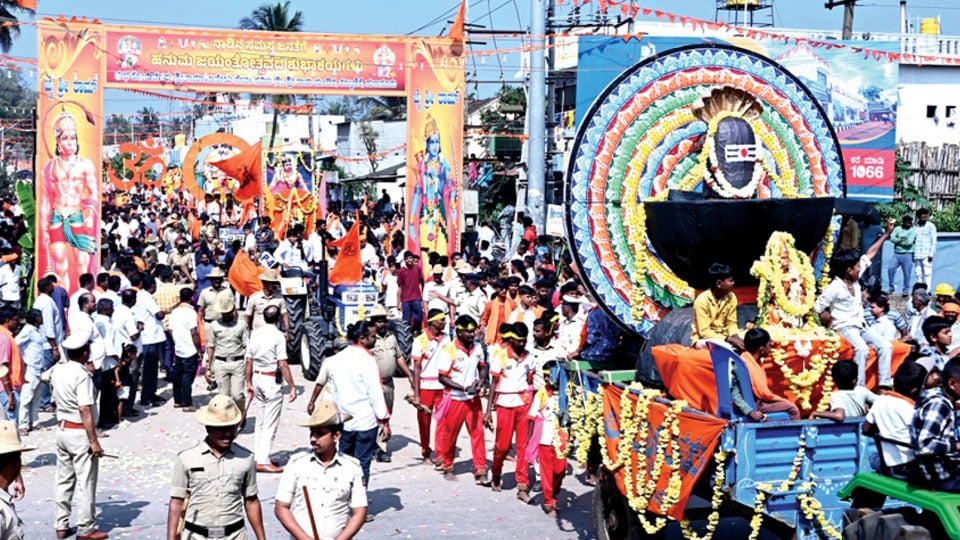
(407, 16)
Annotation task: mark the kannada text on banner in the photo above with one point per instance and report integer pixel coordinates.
(233, 61)
(70, 111)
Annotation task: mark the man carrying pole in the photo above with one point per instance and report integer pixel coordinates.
(321, 494)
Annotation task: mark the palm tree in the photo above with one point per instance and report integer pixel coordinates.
(275, 18)
(10, 25)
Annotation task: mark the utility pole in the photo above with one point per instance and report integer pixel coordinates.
(848, 6)
(551, 122)
(536, 117)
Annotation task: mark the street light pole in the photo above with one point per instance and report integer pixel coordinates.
(536, 115)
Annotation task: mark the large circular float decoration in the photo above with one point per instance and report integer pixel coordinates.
(670, 123)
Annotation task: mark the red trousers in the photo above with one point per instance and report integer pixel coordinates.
(510, 421)
(471, 412)
(552, 471)
(429, 399)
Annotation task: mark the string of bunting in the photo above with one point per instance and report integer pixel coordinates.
(633, 11)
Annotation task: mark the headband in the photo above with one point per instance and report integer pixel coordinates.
(510, 335)
(468, 326)
(437, 317)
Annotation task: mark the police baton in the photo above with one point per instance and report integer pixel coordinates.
(313, 523)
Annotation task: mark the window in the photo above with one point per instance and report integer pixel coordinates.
(931, 111)
(951, 111)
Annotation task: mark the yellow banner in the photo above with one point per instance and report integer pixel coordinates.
(434, 147)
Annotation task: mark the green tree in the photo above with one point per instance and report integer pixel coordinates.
(369, 137)
(18, 102)
(275, 18)
(116, 130)
(148, 123)
(10, 28)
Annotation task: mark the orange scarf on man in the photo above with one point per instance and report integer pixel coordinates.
(16, 363)
(758, 379)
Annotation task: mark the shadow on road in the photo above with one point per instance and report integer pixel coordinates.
(122, 514)
(384, 499)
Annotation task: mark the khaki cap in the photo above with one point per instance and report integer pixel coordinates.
(225, 304)
(10, 438)
(377, 311)
(216, 273)
(270, 275)
(221, 411)
(326, 413)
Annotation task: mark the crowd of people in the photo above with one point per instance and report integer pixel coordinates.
(488, 332)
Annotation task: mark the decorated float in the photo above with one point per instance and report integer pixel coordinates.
(702, 154)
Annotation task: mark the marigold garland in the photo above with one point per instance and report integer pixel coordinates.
(719, 477)
(827, 254)
(783, 263)
(764, 489)
(812, 511)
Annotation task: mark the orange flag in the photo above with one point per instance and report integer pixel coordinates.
(28, 4)
(246, 168)
(456, 31)
(348, 268)
(244, 274)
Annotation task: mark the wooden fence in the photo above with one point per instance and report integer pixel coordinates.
(936, 169)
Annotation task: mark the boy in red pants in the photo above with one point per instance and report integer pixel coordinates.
(463, 369)
(512, 372)
(542, 411)
(427, 391)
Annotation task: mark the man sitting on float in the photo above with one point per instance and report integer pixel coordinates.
(715, 311)
(839, 307)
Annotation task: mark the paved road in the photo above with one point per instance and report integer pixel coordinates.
(410, 500)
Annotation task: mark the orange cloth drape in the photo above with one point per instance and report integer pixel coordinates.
(700, 436)
(688, 374)
(244, 274)
(246, 168)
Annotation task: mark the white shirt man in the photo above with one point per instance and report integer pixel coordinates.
(266, 350)
(10, 284)
(354, 380)
(183, 323)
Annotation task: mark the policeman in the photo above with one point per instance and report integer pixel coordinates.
(321, 494)
(78, 449)
(265, 368)
(207, 301)
(226, 343)
(220, 478)
(10, 448)
(386, 352)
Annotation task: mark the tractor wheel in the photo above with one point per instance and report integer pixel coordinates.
(404, 334)
(320, 347)
(297, 314)
(612, 517)
(880, 526)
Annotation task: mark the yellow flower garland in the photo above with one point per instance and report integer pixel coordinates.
(719, 477)
(765, 489)
(827, 254)
(771, 272)
(585, 412)
(813, 512)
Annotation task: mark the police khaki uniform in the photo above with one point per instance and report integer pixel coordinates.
(207, 301)
(335, 488)
(11, 527)
(218, 486)
(258, 302)
(78, 450)
(385, 351)
(226, 345)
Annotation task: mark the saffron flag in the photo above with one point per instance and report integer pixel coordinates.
(246, 167)
(27, 4)
(456, 31)
(348, 268)
(244, 274)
